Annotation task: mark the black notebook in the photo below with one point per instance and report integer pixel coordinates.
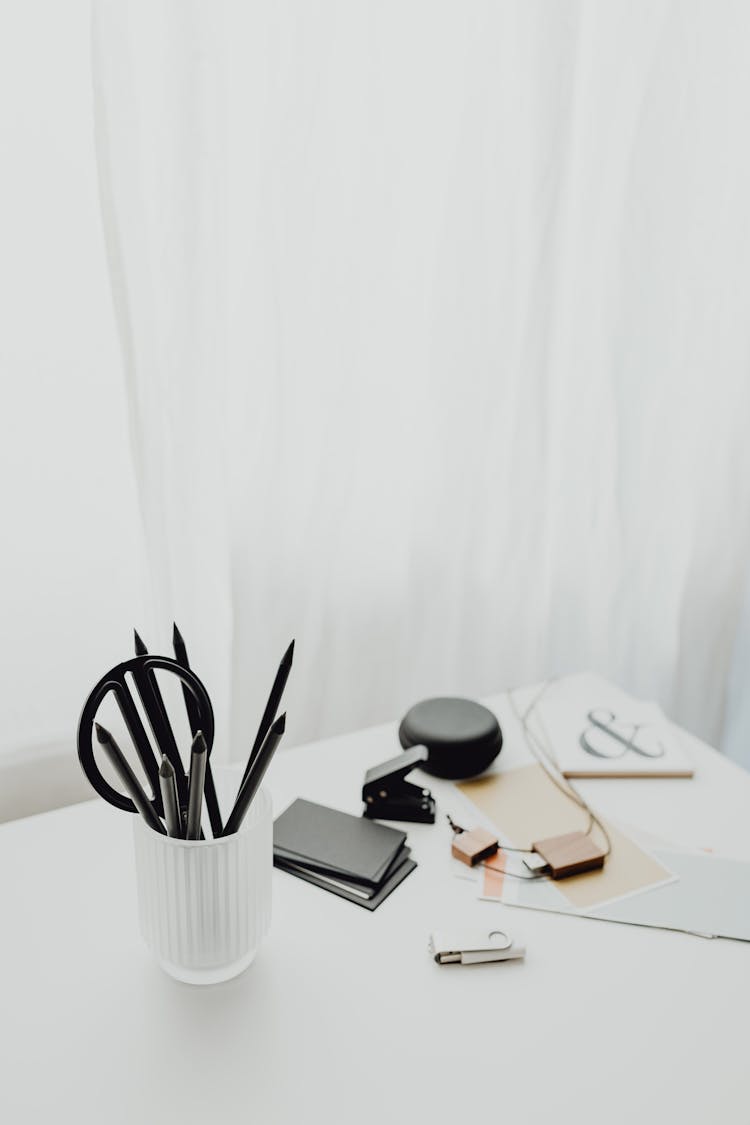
(336, 841)
(351, 891)
(348, 855)
(287, 858)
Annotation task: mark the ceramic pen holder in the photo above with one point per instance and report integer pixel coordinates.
(205, 905)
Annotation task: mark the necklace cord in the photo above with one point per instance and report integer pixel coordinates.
(546, 760)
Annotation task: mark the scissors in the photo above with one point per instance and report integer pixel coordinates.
(627, 742)
(142, 670)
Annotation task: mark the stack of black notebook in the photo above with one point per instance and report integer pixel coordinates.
(346, 855)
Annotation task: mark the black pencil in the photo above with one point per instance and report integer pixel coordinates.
(123, 770)
(153, 705)
(198, 759)
(181, 656)
(140, 647)
(272, 706)
(168, 788)
(250, 785)
(193, 714)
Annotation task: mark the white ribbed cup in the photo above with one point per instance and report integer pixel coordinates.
(205, 905)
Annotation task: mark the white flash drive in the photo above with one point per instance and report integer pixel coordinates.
(474, 947)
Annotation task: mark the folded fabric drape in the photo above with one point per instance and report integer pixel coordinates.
(435, 336)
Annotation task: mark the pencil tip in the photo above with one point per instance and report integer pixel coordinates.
(166, 769)
(280, 724)
(199, 743)
(289, 654)
(140, 648)
(101, 732)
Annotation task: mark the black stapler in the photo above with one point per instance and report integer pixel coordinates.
(388, 796)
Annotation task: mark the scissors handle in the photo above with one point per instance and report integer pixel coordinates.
(116, 683)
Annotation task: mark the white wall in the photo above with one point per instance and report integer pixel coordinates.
(453, 301)
(70, 549)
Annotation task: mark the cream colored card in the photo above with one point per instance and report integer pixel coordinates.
(598, 730)
(524, 806)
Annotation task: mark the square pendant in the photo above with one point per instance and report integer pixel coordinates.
(570, 854)
(472, 847)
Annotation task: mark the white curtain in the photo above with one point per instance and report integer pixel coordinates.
(436, 341)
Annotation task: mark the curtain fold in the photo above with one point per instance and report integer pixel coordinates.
(435, 337)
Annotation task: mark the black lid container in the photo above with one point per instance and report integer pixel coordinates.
(462, 737)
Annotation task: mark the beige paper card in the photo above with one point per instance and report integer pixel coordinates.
(524, 805)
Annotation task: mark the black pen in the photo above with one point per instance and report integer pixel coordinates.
(168, 787)
(198, 759)
(123, 770)
(250, 785)
(272, 706)
(193, 714)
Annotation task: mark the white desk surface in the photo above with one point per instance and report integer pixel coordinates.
(344, 1017)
